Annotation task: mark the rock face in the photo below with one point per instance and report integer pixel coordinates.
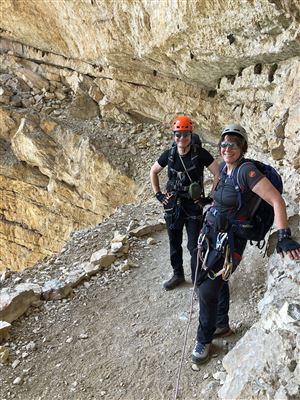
(70, 71)
(52, 182)
(148, 60)
(238, 63)
(270, 349)
(197, 41)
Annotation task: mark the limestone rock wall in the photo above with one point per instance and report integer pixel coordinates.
(266, 101)
(140, 62)
(170, 54)
(135, 62)
(53, 182)
(196, 40)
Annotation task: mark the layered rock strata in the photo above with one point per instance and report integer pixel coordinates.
(53, 181)
(132, 62)
(40, 145)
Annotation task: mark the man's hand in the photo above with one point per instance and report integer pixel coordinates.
(160, 196)
(163, 198)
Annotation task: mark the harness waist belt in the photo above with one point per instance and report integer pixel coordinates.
(182, 188)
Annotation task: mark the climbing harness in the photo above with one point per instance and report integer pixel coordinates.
(175, 177)
(227, 269)
(222, 246)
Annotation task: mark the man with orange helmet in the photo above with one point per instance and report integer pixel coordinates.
(184, 199)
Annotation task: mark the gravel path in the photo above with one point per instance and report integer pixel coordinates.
(120, 336)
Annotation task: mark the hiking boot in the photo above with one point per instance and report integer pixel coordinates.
(200, 353)
(222, 332)
(175, 281)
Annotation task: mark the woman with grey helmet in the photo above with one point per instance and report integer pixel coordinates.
(221, 251)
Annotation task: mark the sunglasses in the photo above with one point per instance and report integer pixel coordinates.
(183, 134)
(230, 145)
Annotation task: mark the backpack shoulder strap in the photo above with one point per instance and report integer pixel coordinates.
(172, 152)
(236, 173)
(195, 158)
(236, 183)
(196, 139)
(222, 172)
(195, 151)
(222, 166)
(240, 189)
(171, 159)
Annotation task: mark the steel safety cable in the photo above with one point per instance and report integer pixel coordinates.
(187, 328)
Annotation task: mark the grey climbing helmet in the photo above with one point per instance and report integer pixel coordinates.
(235, 129)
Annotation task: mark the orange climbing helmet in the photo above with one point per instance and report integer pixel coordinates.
(182, 123)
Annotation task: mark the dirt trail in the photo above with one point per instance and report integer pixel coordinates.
(123, 339)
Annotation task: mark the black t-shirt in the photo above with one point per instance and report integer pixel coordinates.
(225, 195)
(205, 159)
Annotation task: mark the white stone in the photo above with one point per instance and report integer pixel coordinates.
(30, 346)
(98, 254)
(119, 238)
(116, 246)
(23, 287)
(90, 268)
(102, 258)
(124, 267)
(219, 376)
(147, 229)
(14, 302)
(15, 363)
(17, 381)
(281, 394)
(83, 336)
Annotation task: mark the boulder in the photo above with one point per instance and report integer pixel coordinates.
(147, 229)
(15, 301)
(102, 258)
(55, 289)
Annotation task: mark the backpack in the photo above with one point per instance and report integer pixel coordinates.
(261, 214)
(195, 147)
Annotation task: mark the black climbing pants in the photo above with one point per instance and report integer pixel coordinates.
(214, 299)
(188, 215)
(213, 294)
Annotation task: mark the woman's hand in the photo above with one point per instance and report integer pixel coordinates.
(290, 247)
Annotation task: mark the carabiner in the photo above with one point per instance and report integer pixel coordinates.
(228, 266)
(213, 277)
(206, 254)
(220, 240)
